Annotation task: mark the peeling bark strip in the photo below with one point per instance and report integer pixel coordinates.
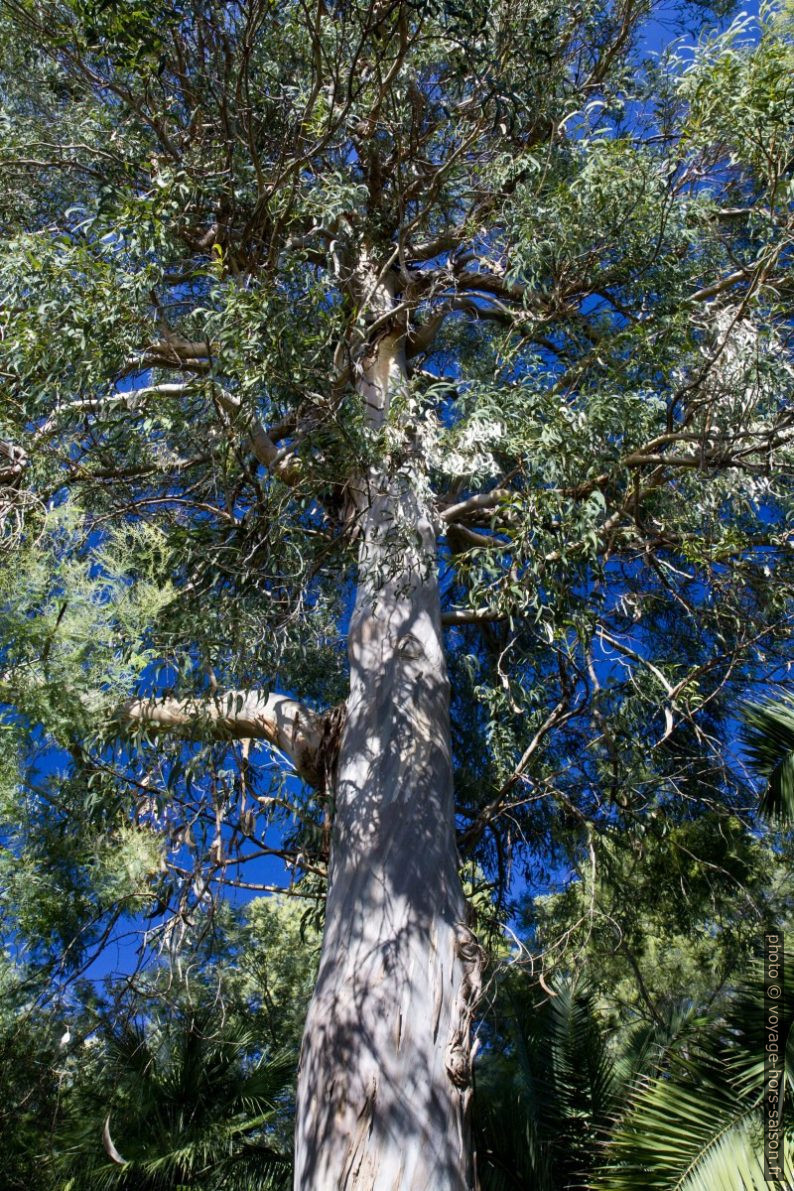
(384, 1077)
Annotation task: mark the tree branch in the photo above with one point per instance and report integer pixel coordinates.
(557, 716)
(457, 616)
(237, 715)
(475, 504)
(461, 538)
(13, 461)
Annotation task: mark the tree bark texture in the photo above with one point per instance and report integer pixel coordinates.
(384, 1078)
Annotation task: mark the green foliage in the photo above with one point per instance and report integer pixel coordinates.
(32, 1070)
(674, 911)
(589, 254)
(564, 1101)
(74, 618)
(769, 741)
(698, 1124)
(546, 1092)
(276, 965)
(736, 89)
(184, 1108)
(195, 1064)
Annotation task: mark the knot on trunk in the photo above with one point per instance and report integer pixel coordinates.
(410, 647)
(328, 750)
(460, 1051)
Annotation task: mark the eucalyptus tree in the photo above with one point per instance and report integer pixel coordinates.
(363, 361)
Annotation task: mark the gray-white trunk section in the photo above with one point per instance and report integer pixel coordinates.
(384, 1078)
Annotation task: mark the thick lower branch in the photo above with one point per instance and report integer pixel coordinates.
(455, 616)
(237, 715)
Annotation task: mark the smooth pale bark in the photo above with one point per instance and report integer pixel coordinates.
(238, 715)
(385, 1070)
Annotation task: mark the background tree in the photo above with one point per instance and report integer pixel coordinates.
(677, 914)
(32, 1069)
(471, 310)
(184, 1070)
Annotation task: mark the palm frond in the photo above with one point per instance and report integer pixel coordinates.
(768, 737)
(676, 1122)
(734, 1163)
(542, 1117)
(644, 1046)
(189, 1108)
(697, 1124)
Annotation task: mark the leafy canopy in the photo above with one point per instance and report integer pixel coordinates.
(588, 245)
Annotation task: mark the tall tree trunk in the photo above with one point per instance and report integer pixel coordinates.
(384, 1080)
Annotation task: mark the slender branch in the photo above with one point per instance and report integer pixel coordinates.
(457, 616)
(125, 399)
(636, 657)
(557, 716)
(703, 462)
(711, 291)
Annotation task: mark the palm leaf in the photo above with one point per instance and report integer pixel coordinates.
(698, 1124)
(734, 1163)
(768, 737)
(643, 1047)
(188, 1110)
(676, 1125)
(543, 1111)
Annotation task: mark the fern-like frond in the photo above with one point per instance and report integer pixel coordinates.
(768, 737)
(735, 1163)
